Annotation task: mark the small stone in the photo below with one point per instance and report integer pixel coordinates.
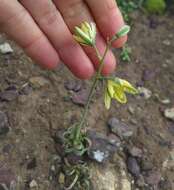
(148, 75)
(61, 178)
(169, 113)
(167, 42)
(133, 166)
(101, 148)
(9, 95)
(153, 177)
(73, 85)
(146, 165)
(165, 185)
(131, 110)
(119, 128)
(4, 125)
(140, 181)
(33, 184)
(32, 164)
(5, 48)
(144, 92)
(135, 152)
(126, 185)
(7, 148)
(38, 82)
(26, 90)
(80, 98)
(6, 176)
(165, 101)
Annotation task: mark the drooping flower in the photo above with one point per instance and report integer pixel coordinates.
(85, 34)
(117, 89)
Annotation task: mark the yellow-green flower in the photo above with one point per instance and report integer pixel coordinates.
(117, 89)
(85, 34)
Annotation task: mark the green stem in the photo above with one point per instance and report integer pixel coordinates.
(96, 79)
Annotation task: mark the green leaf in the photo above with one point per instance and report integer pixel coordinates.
(123, 31)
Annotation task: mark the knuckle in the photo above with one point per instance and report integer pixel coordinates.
(74, 9)
(14, 20)
(49, 16)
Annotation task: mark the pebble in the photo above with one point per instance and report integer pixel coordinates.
(146, 164)
(167, 42)
(140, 181)
(4, 125)
(80, 98)
(101, 148)
(135, 152)
(165, 185)
(144, 92)
(9, 95)
(5, 48)
(153, 177)
(119, 128)
(6, 176)
(33, 184)
(131, 110)
(32, 164)
(73, 85)
(169, 113)
(133, 166)
(148, 75)
(61, 178)
(38, 82)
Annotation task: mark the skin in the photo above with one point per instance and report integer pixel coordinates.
(43, 28)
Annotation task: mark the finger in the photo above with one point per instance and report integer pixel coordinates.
(51, 22)
(108, 18)
(74, 13)
(17, 23)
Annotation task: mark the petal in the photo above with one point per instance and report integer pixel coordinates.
(107, 100)
(110, 88)
(120, 96)
(128, 87)
(83, 35)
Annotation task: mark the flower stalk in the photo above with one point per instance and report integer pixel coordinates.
(86, 35)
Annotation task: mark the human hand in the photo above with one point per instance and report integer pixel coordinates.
(43, 28)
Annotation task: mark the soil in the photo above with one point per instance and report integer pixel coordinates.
(28, 149)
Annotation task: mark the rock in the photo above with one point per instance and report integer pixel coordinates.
(148, 75)
(153, 177)
(80, 98)
(73, 85)
(33, 184)
(119, 128)
(101, 148)
(32, 164)
(133, 166)
(6, 176)
(38, 82)
(26, 90)
(107, 178)
(4, 125)
(61, 178)
(7, 148)
(144, 92)
(167, 42)
(131, 110)
(146, 164)
(165, 101)
(140, 181)
(169, 113)
(135, 152)
(5, 48)
(9, 95)
(165, 185)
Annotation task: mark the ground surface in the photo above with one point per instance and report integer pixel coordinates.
(28, 150)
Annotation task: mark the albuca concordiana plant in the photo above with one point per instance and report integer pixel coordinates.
(115, 88)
